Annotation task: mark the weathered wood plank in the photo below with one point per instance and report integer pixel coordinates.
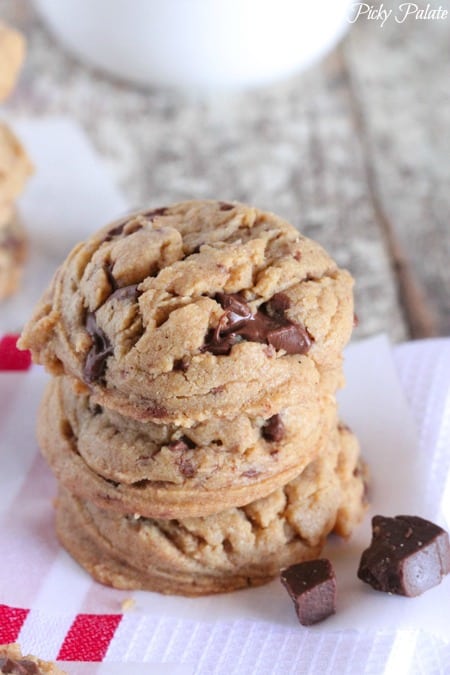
(400, 77)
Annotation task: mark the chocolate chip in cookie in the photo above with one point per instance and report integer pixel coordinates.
(95, 365)
(273, 429)
(238, 322)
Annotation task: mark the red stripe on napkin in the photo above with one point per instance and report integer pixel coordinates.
(12, 358)
(89, 637)
(11, 621)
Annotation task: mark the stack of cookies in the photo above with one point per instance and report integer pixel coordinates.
(191, 421)
(15, 168)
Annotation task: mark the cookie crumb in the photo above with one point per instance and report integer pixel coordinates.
(128, 604)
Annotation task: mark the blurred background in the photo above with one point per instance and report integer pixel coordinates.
(339, 124)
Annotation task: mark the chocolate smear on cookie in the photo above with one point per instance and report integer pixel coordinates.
(18, 666)
(273, 429)
(95, 364)
(268, 325)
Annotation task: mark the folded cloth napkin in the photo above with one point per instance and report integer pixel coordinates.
(397, 401)
(53, 608)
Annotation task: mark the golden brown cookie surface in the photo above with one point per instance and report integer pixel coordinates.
(194, 310)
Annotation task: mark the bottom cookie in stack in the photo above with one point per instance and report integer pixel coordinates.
(233, 549)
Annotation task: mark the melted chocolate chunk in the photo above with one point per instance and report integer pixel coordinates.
(238, 322)
(18, 666)
(407, 555)
(312, 587)
(225, 206)
(95, 365)
(278, 304)
(273, 430)
(293, 338)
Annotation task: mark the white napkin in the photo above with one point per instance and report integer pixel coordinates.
(252, 631)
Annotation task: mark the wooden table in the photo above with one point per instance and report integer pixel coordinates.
(355, 151)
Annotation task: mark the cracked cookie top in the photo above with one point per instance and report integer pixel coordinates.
(199, 308)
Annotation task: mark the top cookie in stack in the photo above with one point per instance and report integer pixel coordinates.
(144, 313)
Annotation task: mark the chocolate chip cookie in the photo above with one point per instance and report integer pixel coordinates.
(198, 309)
(167, 471)
(236, 548)
(12, 661)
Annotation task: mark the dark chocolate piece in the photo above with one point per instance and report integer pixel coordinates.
(407, 555)
(293, 338)
(119, 293)
(155, 212)
(110, 276)
(312, 587)
(238, 322)
(118, 230)
(18, 666)
(95, 365)
(273, 430)
(181, 364)
(278, 304)
(225, 206)
(115, 231)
